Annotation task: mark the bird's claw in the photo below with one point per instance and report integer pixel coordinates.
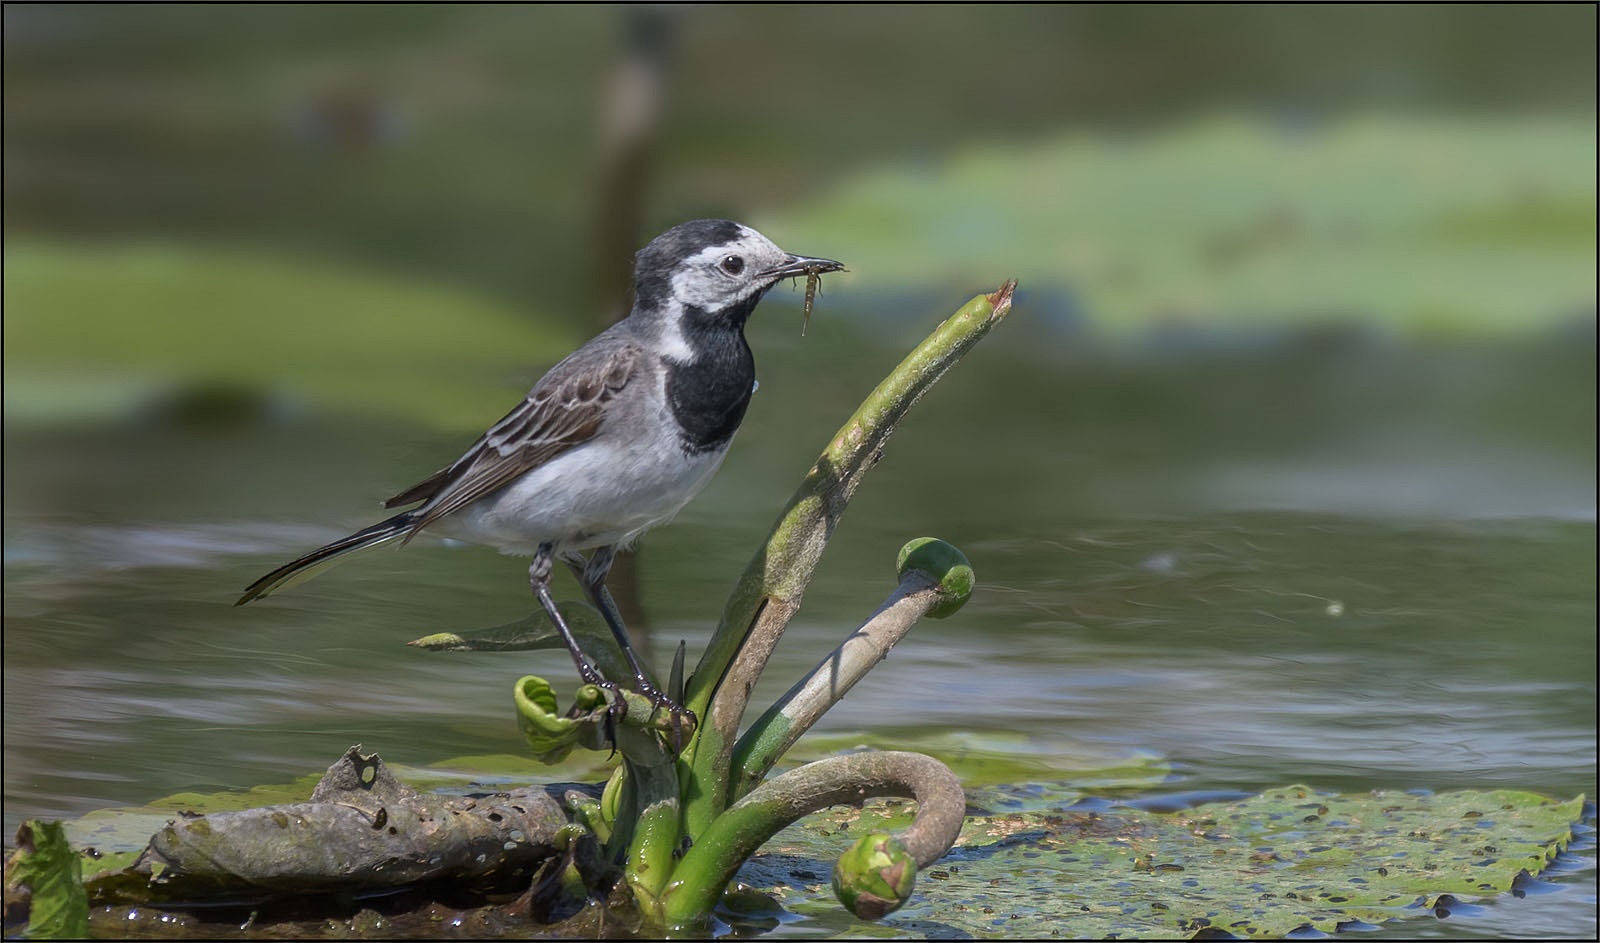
(678, 715)
(680, 718)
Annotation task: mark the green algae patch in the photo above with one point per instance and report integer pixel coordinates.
(998, 757)
(498, 771)
(203, 803)
(106, 836)
(1264, 866)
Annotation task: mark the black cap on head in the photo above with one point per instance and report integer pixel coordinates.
(684, 240)
(654, 264)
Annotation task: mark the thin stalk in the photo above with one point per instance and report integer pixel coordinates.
(770, 590)
(775, 732)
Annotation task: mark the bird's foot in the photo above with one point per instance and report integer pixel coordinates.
(616, 709)
(681, 718)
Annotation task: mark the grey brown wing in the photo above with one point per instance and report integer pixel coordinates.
(565, 409)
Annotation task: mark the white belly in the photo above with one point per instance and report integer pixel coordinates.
(595, 495)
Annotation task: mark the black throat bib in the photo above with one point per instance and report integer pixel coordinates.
(709, 394)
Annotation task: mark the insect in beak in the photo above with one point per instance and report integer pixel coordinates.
(813, 270)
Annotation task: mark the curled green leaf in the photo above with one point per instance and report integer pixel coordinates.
(549, 735)
(946, 566)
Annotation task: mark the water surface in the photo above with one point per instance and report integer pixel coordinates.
(1337, 563)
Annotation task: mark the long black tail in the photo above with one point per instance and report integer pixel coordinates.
(306, 566)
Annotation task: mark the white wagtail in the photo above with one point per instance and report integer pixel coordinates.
(616, 438)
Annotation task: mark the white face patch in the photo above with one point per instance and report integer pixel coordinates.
(702, 281)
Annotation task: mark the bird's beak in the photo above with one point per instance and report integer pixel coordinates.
(797, 265)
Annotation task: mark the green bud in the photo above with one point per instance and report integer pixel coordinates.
(945, 565)
(875, 877)
(589, 697)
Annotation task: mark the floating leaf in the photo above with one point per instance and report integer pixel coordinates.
(1495, 222)
(1262, 866)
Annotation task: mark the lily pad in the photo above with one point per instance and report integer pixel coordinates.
(1289, 859)
(1495, 222)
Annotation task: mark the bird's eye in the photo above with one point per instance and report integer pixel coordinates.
(733, 264)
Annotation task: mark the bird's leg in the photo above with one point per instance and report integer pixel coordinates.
(539, 579)
(593, 577)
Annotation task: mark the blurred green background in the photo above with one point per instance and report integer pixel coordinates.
(1281, 470)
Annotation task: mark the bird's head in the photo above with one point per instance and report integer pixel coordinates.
(714, 268)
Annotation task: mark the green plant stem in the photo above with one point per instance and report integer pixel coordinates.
(793, 714)
(770, 589)
(653, 834)
(741, 830)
